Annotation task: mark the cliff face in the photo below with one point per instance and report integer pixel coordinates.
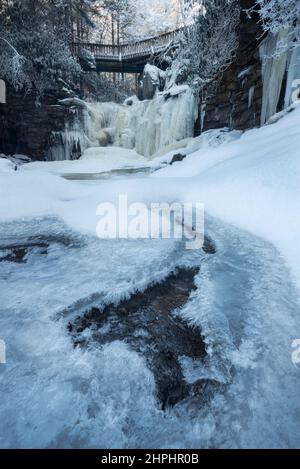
(26, 128)
(237, 101)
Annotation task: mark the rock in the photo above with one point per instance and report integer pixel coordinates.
(229, 104)
(28, 129)
(153, 81)
(73, 101)
(19, 160)
(177, 158)
(147, 323)
(130, 101)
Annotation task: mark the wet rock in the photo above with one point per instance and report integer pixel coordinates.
(19, 252)
(147, 323)
(209, 246)
(227, 103)
(177, 158)
(30, 129)
(153, 81)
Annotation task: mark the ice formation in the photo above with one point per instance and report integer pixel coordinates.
(278, 63)
(293, 78)
(70, 143)
(146, 126)
(273, 72)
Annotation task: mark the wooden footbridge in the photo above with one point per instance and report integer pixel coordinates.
(125, 58)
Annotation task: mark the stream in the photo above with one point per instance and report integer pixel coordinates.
(143, 343)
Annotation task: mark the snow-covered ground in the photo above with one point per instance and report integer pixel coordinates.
(247, 303)
(95, 160)
(253, 182)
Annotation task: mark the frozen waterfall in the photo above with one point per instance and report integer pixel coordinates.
(273, 73)
(278, 64)
(293, 78)
(146, 126)
(73, 140)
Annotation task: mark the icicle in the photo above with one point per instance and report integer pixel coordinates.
(251, 95)
(293, 70)
(273, 72)
(203, 115)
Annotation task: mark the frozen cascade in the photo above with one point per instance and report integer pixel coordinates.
(273, 72)
(146, 126)
(275, 65)
(293, 75)
(170, 117)
(293, 71)
(70, 143)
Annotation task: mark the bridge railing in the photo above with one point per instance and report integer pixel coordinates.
(154, 45)
(127, 51)
(97, 50)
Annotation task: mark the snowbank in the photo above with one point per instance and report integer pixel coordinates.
(253, 183)
(94, 160)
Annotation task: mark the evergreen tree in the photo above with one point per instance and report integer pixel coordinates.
(35, 41)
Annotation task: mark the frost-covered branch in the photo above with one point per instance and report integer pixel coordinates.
(10, 45)
(278, 16)
(208, 42)
(11, 64)
(34, 39)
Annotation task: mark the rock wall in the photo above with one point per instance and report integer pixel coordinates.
(28, 128)
(237, 100)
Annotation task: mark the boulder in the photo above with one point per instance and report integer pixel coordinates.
(153, 81)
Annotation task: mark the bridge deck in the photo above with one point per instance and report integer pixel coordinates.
(126, 58)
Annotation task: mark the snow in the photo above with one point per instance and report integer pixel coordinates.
(95, 160)
(253, 182)
(154, 73)
(5, 165)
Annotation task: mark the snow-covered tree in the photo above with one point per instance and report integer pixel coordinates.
(35, 37)
(279, 15)
(208, 42)
(155, 17)
(130, 20)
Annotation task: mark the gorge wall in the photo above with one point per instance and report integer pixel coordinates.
(259, 82)
(33, 130)
(236, 101)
